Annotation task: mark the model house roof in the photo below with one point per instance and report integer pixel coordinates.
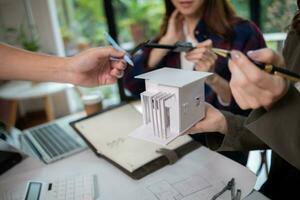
(173, 77)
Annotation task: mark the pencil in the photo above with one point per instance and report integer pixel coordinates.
(289, 75)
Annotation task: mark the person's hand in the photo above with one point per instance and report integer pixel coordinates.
(202, 56)
(251, 86)
(214, 121)
(175, 29)
(95, 67)
(173, 34)
(268, 56)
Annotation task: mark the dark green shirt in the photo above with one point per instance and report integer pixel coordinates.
(277, 129)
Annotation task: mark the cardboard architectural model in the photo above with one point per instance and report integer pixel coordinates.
(172, 103)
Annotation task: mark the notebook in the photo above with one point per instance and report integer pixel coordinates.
(107, 134)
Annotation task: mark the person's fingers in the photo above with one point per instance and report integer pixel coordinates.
(252, 97)
(115, 53)
(179, 24)
(180, 17)
(195, 54)
(120, 64)
(106, 79)
(253, 88)
(120, 74)
(117, 73)
(253, 73)
(214, 121)
(237, 82)
(212, 54)
(174, 15)
(246, 93)
(238, 97)
(207, 43)
(211, 57)
(204, 65)
(203, 62)
(200, 54)
(264, 55)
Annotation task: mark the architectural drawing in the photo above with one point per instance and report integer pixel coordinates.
(172, 103)
(192, 188)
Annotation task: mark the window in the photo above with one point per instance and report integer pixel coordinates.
(242, 8)
(82, 24)
(137, 20)
(277, 14)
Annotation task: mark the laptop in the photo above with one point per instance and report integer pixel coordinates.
(52, 141)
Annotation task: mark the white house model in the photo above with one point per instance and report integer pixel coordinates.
(172, 103)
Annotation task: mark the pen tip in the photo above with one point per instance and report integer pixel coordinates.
(228, 55)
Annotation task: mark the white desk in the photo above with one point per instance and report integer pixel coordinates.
(15, 91)
(114, 184)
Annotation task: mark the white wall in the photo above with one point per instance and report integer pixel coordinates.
(45, 15)
(44, 12)
(12, 14)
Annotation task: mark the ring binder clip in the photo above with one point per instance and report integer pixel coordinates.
(171, 155)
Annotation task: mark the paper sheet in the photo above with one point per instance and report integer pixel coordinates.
(146, 133)
(197, 176)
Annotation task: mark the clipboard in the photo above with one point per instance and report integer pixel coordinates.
(107, 134)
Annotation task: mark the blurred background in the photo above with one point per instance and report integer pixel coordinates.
(66, 27)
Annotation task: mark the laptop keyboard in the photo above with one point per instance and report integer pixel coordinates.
(54, 140)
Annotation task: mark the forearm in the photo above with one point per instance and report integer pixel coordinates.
(16, 64)
(279, 127)
(221, 87)
(237, 137)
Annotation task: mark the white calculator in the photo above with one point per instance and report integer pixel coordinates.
(72, 188)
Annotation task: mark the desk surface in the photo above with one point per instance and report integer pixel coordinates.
(114, 184)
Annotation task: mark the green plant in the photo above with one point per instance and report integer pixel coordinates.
(27, 42)
(277, 14)
(89, 20)
(66, 34)
(147, 14)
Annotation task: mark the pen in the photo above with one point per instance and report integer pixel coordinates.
(187, 46)
(238, 194)
(289, 75)
(116, 46)
(228, 186)
(179, 46)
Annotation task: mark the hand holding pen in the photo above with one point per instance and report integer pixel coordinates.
(115, 45)
(182, 46)
(251, 86)
(93, 67)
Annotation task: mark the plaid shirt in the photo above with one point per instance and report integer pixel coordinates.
(246, 37)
